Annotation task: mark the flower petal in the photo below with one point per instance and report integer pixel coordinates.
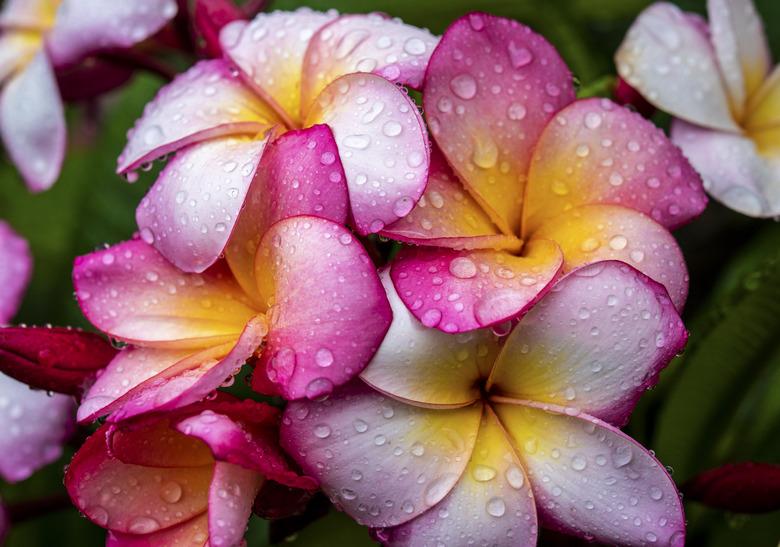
(32, 123)
(596, 342)
(162, 496)
(131, 292)
(377, 442)
(299, 174)
(17, 48)
(733, 168)
(592, 233)
(328, 311)
(491, 87)
(741, 48)
(383, 146)
(231, 495)
(15, 271)
(763, 111)
(690, 87)
(192, 532)
(447, 216)
(86, 26)
(459, 291)
(598, 152)
(593, 481)
(35, 426)
(270, 51)
(61, 360)
(372, 43)
(190, 211)
(492, 503)
(28, 14)
(425, 365)
(743, 487)
(205, 102)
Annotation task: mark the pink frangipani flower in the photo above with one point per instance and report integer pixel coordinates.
(281, 72)
(35, 424)
(717, 80)
(531, 183)
(187, 477)
(39, 36)
(456, 439)
(297, 291)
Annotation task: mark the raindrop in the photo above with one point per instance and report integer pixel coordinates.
(464, 86)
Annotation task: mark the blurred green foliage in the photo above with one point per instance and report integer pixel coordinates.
(718, 402)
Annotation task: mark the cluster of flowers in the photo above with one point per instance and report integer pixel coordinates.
(472, 389)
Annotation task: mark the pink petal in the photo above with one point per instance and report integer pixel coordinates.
(595, 343)
(190, 211)
(205, 102)
(734, 171)
(15, 271)
(593, 481)
(231, 495)
(300, 174)
(28, 14)
(741, 48)
(372, 43)
(209, 17)
(32, 123)
(162, 497)
(86, 26)
(491, 504)
(458, 291)
(598, 152)
(396, 460)
(193, 532)
(328, 312)
(383, 146)
(447, 216)
(35, 426)
(592, 233)
(270, 51)
(491, 87)
(690, 88)
(422, 365)
(131, 292)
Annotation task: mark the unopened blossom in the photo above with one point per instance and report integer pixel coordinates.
(36, 38)
(470, 439)
(280, 72)
(531, 183)
(35, 424)
(716, 78)
(187, 477)
(299, 296)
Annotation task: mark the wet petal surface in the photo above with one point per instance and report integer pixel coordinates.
(15, 271)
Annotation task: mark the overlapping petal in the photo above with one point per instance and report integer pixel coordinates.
(595, 343)
(327, 309)
(595, 151)
(204, 102)
(231, 494)
(16, 50)
(32, 123)
(667, 56)
(491, 87)
(458, 291)
(191, 532)
(86, 26)
(131, 292)
(15, 270)
(28, 14)
(591, 480)
(383, 146)
(388, 462)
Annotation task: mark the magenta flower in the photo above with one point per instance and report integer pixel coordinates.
(283, 71)
(468, 439)
(531, 183)
(188, 477)
(39, 36)
(717, 81)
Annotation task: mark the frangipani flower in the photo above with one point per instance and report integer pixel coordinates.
(294, 69)
(462, 439)
(38, 36)
(718, 83)
(34, 424)
(298, 291)
(539, 183)
(188, 477)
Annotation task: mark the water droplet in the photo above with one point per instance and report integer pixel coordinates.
(171, 492)
(656, 493)
(622, 456)
(578, 463)
(392, 129)
(463, 267)
(516, 111)
(143, 525)
(485, 153)
(403, 206)
(414, 46)
(319, 387)
(437, 489)
(464, 86)
(358, 142)
(593, 120)
(496, 507)
(360, 426)
(514, 476)
(431, 317)
(323, 357)
(519, 56)
(322, 431)
(618, 243)
(483, 473)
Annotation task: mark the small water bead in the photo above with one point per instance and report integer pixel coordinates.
(656, 493)
(392, 128)
(403, 206)
(322, 431)
(618, 243)
(485, 153)
(463, 267)
(622, 456)
(324, 357)
(514, 476)
(590, 244)
(483, 473)
(464, 86)
(171, 492)
(327, 158)
(496, 507)
(414, 46)
(417, 449)
(578, 463)
(593, 120)
(360, 425)
(582, 150)
(516, 111)
(431, 317)
(519, 56)
(358, 142)
(143, 525)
